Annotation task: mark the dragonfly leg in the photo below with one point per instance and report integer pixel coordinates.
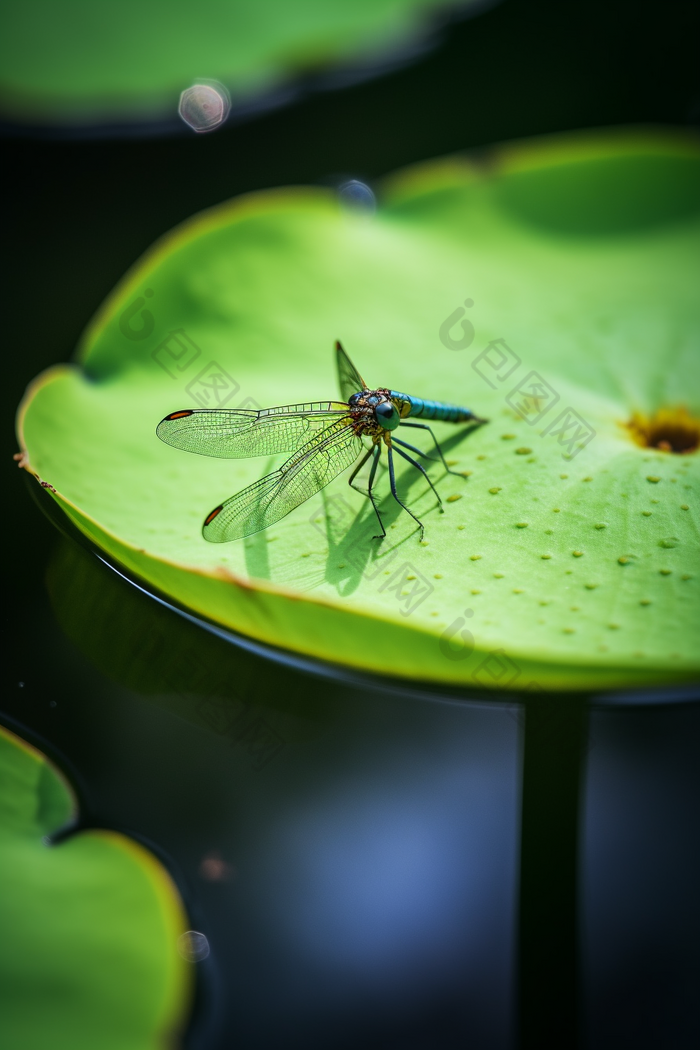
(424, 426)
(357, 470)
(375, 463)
(421, 469)
(418, 451)
(376, 452)
(392, 480)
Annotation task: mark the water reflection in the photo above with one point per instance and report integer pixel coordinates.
(394, 880)
(641, 864)
(361, 883)
(193, 673)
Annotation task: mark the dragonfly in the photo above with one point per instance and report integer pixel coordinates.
(324, 437)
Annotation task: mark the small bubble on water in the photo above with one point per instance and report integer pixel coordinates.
(204, 106)
(193, 946)
(357, 197)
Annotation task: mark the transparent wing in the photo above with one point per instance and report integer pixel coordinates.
(302, 476)
(349, 378)
(237, 432)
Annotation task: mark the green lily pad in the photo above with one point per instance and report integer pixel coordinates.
(90, 923)
(568, 555)
(76, 60)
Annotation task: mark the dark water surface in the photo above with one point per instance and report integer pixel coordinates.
(353, 852)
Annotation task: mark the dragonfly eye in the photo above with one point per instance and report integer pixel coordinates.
(387, 415)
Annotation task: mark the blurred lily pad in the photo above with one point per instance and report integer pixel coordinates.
(75, 60)
(90, 923)
(552, 288)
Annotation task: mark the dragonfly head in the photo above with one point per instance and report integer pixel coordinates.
(372, 409)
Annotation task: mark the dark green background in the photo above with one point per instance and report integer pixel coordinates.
(77, 214)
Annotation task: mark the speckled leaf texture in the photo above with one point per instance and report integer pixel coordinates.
(567, 555)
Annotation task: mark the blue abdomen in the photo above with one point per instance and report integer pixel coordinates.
(440, 410)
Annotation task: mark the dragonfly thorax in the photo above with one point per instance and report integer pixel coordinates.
(373, 411)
